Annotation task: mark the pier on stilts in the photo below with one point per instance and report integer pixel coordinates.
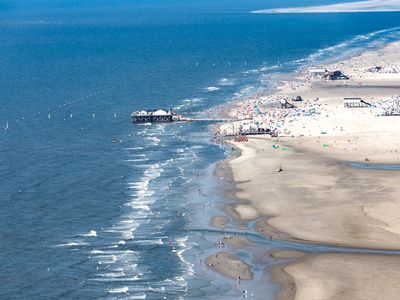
(167, 116)
(207, 120)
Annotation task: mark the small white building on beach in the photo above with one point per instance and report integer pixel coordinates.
(355, 103)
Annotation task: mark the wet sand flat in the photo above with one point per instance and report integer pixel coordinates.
(229, 265)
(345, 276)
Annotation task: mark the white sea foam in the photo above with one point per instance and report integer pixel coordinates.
(153, 172)
(115, 274)
(124, 289)
(91, 233)
(133, 148)
(159, 290)
(117, 279)
(116, 265)
(73, 244)
(351, 43)
(140, 206)
(110, 230)
(143, 193)
(160, 127)
(130, 221)
(137, 160)
(268, 68)
(128, 234)
(140, 203)
(117, 270)
(197, 147)
(150, 242)
(140, 185)
(193, 100)
(187, 103)
(138, 297)
(226, 82)
(118, 253)
(254, 71)
(244, 91)
(125, 230)
(179, 107)
(106, 259)
(212, 88)
(154, 140)
(138, 155)
(179, 278)
(181, 243)
(142, 133)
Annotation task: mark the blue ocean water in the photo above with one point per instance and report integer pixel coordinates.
(82, 217)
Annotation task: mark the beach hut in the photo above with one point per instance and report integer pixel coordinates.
(286, 104)
(355, 103)
(297, 99)
(374, 69)
(335, 75)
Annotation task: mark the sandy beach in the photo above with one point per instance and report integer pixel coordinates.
(342, 276)
(229, 265)
(301, 186)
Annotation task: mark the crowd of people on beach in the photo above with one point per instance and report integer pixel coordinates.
(384, 69)
(389, 106)
(264, 115)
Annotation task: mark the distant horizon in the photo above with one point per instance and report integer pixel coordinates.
(359, 6)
